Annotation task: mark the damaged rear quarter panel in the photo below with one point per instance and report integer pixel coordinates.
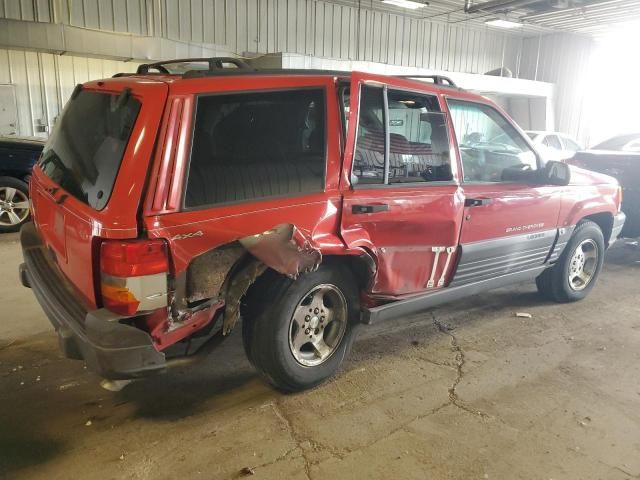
(288, 238)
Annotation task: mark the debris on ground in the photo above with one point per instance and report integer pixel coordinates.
(122, 457)
(88, 423)
(68, 385)
(114, 385)
(248, 471)
(585, 421)
(38, 378)
(523, 315)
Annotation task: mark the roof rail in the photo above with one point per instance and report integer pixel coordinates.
(437, 79)
(215, 64)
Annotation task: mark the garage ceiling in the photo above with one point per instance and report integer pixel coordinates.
(590, 17)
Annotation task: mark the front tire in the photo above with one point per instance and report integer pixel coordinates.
(14, 204)
(300, 336)
(574, 275)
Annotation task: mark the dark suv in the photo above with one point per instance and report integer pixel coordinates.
(18, 155)
(168, 206)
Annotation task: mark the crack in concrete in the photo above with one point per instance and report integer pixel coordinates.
(460, 360)
(279, 458)
(303, 443)
(615, 467)
(294, 435)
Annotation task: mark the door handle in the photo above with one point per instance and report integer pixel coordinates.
(477, 202)
(381, 207)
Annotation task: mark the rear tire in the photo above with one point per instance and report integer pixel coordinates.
(574, 275)
(299, 332)
(14, 204)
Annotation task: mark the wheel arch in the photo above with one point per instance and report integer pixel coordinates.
(604, 220)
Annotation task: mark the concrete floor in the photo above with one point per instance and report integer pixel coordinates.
(468, 391)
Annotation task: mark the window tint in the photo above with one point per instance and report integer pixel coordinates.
(418, 142)
(552, 141)
(419, 145)
(257, 145)
(490, 146)
(86, 148)
(368, 161)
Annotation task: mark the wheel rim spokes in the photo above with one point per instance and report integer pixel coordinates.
(14, 206)
(318, 325)
(583, 265)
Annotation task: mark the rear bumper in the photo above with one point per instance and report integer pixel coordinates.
(618, 225)
(112, 349)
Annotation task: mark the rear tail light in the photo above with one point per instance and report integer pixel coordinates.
(133, 275)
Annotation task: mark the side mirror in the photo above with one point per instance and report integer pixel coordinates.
(556, 173)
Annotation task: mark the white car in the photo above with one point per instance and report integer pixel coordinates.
(554, 145)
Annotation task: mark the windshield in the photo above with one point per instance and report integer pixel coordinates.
(86, 148)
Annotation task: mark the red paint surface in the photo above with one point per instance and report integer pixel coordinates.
(400, 240)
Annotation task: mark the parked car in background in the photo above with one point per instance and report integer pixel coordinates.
(167, 207)
(18, 155)
(553, 145)
(618, 157)
(629, 142)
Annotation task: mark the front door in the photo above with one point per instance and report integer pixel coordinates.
(401, 197)
(508, 225)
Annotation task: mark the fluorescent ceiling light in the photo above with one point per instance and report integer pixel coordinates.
(497, 22)
(406, 4)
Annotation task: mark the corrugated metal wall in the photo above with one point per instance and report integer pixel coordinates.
(562, 59)
(43, 83)
(31, 10)
(312, 27)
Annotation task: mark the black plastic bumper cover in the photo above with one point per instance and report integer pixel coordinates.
(112, 349)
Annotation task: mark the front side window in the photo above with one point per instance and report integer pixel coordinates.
(490, 147)
(257, 145)
(410, 146)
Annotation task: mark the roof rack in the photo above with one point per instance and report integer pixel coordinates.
(219, 66)
(437, 79)
(215, 64)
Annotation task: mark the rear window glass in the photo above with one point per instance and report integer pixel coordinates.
(257, 145)
(88, 142)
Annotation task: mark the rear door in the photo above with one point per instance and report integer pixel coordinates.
(89, 180)
(509, 225)
(401, 198)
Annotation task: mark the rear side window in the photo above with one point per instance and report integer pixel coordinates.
(569, 144)
(257, 145)
(553, 142)
(86, 148)
(411, 146)
(419, 144)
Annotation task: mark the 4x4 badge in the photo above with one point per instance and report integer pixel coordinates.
(184, 236)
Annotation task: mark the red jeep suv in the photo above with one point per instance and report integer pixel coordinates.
(166, 206)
